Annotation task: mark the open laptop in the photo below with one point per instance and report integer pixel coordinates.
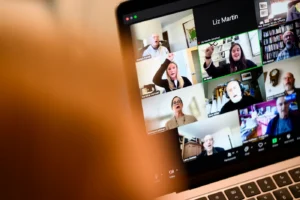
(218, 86)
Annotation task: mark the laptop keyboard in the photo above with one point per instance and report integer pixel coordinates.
(280, 186)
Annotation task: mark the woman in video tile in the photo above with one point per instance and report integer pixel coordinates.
(237, 59)
(174, 81)
(179, 118)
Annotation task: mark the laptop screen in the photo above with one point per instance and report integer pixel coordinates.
(223, 78)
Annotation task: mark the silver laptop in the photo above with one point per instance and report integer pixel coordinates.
(218, 87)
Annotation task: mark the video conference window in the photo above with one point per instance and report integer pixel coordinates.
(161, 75)
(209, 137)
(174, 109)
(280, 42)
(164, 35)
(230, 55)
(283, 78)
(271, 118)
(235, 92)
(272, 12)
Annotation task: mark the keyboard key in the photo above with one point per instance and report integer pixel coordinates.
(202, 198)
(295, 174)
(267, 196)
(266, 184)
(250, 189)
(282, 179)
(295, 189)
(234, 194)
(217, 196)
(282, 194)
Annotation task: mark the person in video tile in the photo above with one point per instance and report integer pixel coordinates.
(179, 118)
(237, 61)
(293, 13)
(155, 49)
(174, 81)
(235, 92)
(289, 86)
(209, 148)
(290, 49)
(284, 121)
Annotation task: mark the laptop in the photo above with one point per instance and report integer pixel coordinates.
(216, 85)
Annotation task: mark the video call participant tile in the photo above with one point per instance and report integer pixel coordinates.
(162, 75)
(235, 92)
(164, 35)
(269, 119)
(283, 78)
(214, 22)
(174, 109)
(280, 42)
(210, 137)
(273, 12)
(230, 55)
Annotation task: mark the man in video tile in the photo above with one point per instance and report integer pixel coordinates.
(235, 92)
(237, 59)
(284, 121)
(179, 118)
(291, 49)
(294, 12)
(155, 49)
(209, 146)
(289, 86)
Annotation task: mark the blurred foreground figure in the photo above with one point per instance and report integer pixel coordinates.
(63, 108)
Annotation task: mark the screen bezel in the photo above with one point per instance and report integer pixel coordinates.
(246, 164)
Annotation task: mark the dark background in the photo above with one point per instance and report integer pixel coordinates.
(205, 15)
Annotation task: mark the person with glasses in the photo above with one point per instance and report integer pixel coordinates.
(284, 121)
(209, 149)
(291, 49)
(179, 118)
(237, 62)
(174, 81)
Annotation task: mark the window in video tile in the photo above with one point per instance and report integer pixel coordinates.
(280, 42)
(271, 118)
(161, 75)
(272, 12)
(283, 78)
(235, 92)
(164, 35)
(174, 109)
(209, 137)
(230, 55)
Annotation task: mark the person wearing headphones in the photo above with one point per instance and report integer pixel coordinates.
(179, 118)
(235, 92)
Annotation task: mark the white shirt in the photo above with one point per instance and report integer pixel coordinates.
(160, 51)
